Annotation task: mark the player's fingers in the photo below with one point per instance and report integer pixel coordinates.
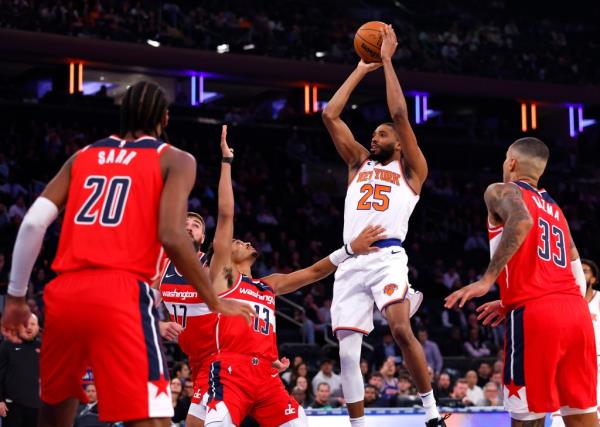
(483, 307)
(224, 135)
(465, 297)
(372, 249)
(499, 320)
(452, 298)
(11, 335)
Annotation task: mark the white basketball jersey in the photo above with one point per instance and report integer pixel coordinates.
(594, 305)
(379, 195)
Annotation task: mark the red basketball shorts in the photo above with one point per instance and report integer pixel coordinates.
(104, 319)
(249, 386)
(550, 356)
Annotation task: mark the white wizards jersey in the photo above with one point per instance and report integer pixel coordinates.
(379, 195)
(594, 305)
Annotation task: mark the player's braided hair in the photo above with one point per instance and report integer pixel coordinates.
(142, 109)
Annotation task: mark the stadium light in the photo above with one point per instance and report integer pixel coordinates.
(153, 43)
(71, 78)
(306, 99)
(249, 46)
(320, 54)
(533, 116)
(572, 132)
(223, 48)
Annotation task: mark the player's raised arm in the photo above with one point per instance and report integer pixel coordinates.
(220, 264)
(27, 247)
(351, 151)
(180, 175)
(413, 156)
(505, 206)
(286, 283)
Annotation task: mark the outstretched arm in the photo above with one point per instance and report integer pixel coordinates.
(351, 151)
(180, 172)
(413, 156)
(286, 283)
(220, 265)
(505, 205)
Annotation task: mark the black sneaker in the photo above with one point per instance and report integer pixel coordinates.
(437, 422)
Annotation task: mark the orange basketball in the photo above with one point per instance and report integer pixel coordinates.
(367, 41)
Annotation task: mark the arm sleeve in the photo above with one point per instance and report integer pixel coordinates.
(29, 242)
(577, 270)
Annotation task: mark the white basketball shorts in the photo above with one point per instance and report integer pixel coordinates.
(379, 277)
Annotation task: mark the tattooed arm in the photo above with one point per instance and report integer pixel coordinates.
(505, 206)
(504, 203)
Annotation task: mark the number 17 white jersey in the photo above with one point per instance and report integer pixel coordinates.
(379, 195)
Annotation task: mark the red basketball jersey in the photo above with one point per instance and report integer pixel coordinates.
(111, 216)
(197, 340)
(234, 335)
(541, 266)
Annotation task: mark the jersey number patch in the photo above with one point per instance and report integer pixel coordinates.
(257, 327)
(107, 205)
(183, 314)
(374, 196)
(546, 250)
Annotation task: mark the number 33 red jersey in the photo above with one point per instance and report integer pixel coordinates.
(542, 264)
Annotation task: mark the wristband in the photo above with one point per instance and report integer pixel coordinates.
(339, 256)
(227, 160)
(348, 249)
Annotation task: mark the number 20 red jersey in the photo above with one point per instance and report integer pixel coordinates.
(111, 215)
(234, 335)
(541, 266)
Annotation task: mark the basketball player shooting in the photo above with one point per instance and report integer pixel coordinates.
(550, 357)
(383, 189)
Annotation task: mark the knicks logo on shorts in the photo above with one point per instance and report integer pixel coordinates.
(390, 289)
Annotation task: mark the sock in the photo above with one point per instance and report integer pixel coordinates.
(357, 422)
(431, 410)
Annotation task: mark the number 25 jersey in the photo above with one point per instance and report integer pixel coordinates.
(379, 195)
(542, 265)
(111, 215)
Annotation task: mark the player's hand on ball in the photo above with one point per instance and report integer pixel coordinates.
(369, 235)
(491, 313)
(229, 307)
(16, 313)
(474, 290)
(389, 44)
(367, 68)
(170, 330)
(225, 150)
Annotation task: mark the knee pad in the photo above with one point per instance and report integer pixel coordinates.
(352, 380)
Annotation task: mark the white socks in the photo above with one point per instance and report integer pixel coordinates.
(431, 410)
(357, 422)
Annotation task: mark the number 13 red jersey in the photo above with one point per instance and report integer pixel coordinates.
(111, 216)
(542, 264)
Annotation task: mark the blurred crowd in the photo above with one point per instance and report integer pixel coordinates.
(495, 40)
